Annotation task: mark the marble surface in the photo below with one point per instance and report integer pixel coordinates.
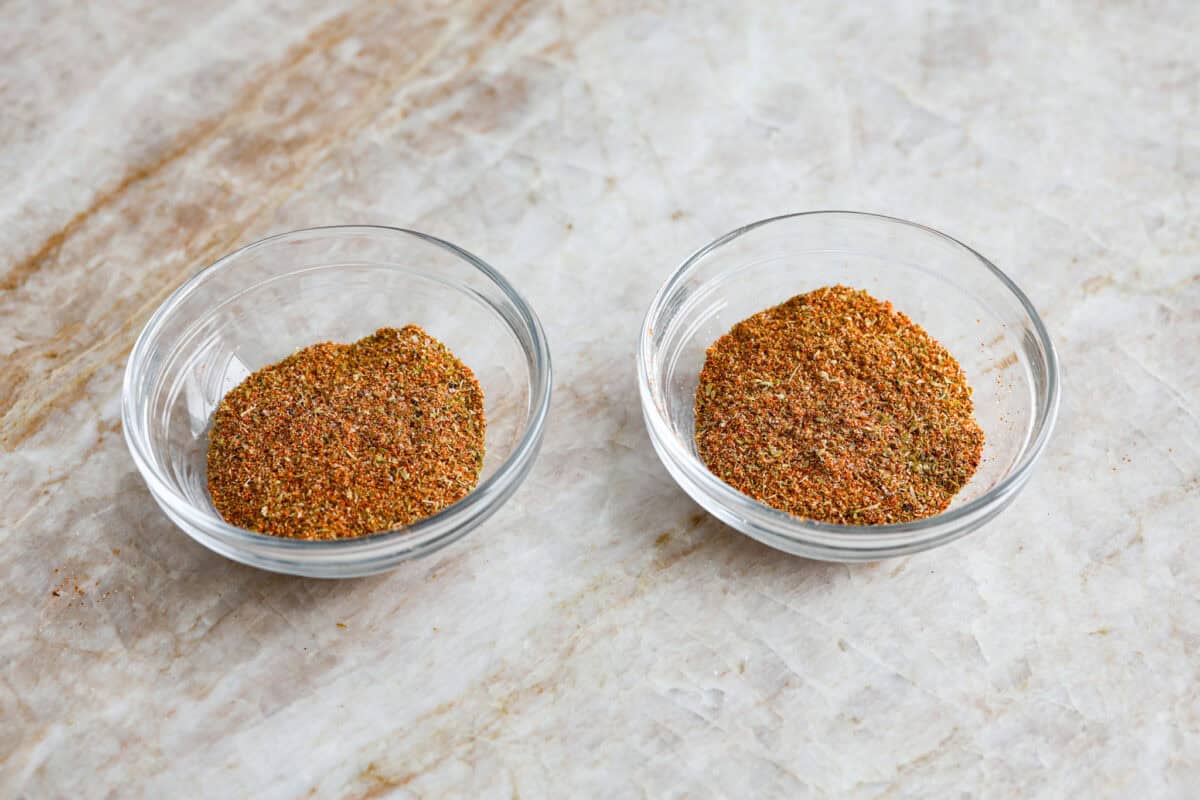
(601, 636)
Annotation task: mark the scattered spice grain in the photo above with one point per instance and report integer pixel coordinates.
(342, 440)
(836, 407)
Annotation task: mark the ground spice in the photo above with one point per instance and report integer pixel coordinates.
(834, 406)
(343, 440)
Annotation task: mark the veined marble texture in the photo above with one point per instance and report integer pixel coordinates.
(601, 636)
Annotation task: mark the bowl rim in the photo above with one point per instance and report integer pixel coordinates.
(853, 538)
(425, 535)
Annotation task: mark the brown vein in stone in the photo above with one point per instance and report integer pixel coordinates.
(325, 36)
(24, 413)
(31, 401)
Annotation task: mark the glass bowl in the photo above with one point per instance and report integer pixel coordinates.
(954, 293)
(263, 302)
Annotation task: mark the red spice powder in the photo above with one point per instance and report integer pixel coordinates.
(834, 406)
(344, 440)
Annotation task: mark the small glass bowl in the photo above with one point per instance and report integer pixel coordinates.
(263, 302)
(954, 293)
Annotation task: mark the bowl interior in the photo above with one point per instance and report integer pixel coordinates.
(940, 284)
(264, 302)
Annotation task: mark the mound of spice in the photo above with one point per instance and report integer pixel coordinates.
(836, 407)
(343, 440)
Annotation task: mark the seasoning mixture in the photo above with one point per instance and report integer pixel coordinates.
(343, 440)
(836, 407)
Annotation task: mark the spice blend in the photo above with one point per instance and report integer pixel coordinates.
(344, 440)
(836, 407)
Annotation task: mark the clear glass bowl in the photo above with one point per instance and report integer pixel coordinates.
(263, 302)
(956, 294)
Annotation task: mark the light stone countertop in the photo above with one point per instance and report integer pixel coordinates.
(601, 636)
